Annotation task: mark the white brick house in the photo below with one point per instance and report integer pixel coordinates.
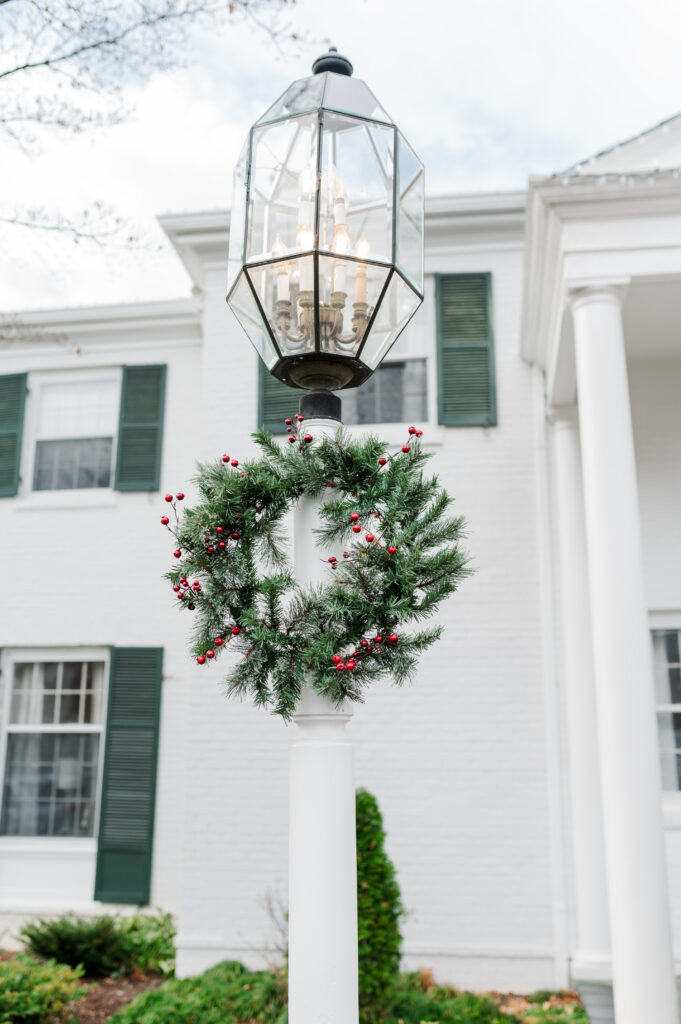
(530, 724)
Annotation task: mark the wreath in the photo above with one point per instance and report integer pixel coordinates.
(397, 557)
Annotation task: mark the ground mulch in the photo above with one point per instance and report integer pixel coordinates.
(514, 1004)
(106, 996)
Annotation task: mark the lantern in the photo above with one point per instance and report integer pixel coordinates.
(326, 235)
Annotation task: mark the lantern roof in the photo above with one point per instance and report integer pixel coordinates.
(327, 90)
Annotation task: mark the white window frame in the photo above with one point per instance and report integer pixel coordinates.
(668, 621)
(83, 495)
(16, 656)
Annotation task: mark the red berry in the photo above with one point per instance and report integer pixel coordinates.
(196, 585)
(165, 520)
(299, 417)
(291, 438)
(392, 550)
(210, 654)
(180, 495)
(393, 638)
(378, 639)
(191, 607)
(333, 558)
(406, 448)
(222, 544)
(176, 588)
(235, 535)
(307, 438)
(235, 462)
(289, 429)
(354, 516)
(412, 430)
(225, 458)
(177, 553)
(365, 643)
(181, 597)
(236, 631)
(210, 549)
(340, 667)
(184, 583)
(350, 665)
(218, 529)
(346, 554)
(201, 660)
(219, 641)
(370, 537)
(382, 461)
(169, 497)
(356, 528)
(336, 659)
(288, 421)
(419, 433)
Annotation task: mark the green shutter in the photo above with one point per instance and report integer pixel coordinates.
(12, 401)
(140, 430)
(465, 345)
(276, 401)
(126, 825)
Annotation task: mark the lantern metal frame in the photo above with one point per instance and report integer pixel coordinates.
(286, 367)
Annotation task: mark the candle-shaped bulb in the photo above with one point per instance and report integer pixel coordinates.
(341, 242)
(363, 248)
(341, 246)
(307, 181)
(283, 290)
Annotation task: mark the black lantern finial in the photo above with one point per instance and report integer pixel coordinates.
(332, 61)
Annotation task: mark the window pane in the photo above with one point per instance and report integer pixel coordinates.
(395, 393)
(20, 707)
(73, 463)
(78, 409)
(50, 784)
(669, 731)
(668, 692)
(68, 708)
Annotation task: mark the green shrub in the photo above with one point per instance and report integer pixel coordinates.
(379, 909)
(33, 992)
(227, 992)
(149, 942)
(105, 945)
(414, 1002)
(95, 942)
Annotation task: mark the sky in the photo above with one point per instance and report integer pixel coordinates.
(488, 93)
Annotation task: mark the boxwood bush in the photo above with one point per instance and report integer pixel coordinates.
(227, 992)
(32, 992)
(105, 945)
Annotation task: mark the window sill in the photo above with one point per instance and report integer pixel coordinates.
(91, 498)
(66, 845)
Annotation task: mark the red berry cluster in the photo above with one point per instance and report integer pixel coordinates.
(219, 641)
(413, 432)
(366, 648)
(233, 462)
(295, 430)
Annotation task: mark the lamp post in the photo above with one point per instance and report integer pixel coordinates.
(325, 271)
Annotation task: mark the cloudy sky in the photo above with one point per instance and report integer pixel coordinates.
(487, 93)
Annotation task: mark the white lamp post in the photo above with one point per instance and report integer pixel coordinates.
(325, 271)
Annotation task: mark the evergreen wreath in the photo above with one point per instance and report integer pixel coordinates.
(398, 559)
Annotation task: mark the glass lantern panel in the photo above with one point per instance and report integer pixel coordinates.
(352, 96)
(237, 221)
(411, 212)
(349, 291)
(245, 309)
(289, 314)
(356, 188)
(283, 177)
(303, 95)
(398, 305)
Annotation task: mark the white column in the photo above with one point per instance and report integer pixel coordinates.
(322, 965)
(591, 957)
(643, 969)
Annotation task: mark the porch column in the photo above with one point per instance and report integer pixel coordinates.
(591, 959)
(643, 968)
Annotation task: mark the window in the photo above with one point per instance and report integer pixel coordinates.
(74, 431)
(54, 739)
(394, 393)
(667, 666)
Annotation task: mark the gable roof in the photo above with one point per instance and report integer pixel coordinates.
(656, 150)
